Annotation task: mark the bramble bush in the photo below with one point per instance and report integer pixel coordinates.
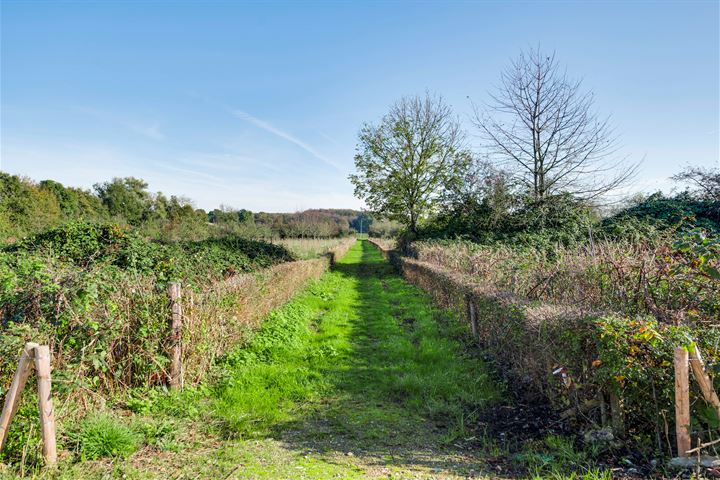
(86, 245)
(96, 293)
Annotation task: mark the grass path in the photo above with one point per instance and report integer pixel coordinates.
(358, 377)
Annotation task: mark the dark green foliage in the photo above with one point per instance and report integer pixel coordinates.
(561, 220)
(84, 244)
(75, 203)
(489, 209)
(79, 243)
(126, 198)
(225, 256)
(25, 208)
(661, 212)
(549, 221)
(230, 216)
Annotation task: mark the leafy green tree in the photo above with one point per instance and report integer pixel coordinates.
(75, 203)
(25, 208)
(245, 216)
(127, 198)
(407, 162)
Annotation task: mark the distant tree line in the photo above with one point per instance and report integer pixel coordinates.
(28, 207)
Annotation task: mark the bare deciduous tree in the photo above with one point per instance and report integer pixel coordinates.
(543, 127)
(410, 159)
(706, 181)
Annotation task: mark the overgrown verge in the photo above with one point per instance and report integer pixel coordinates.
(357, 377)
(96, 293)
(596, 353)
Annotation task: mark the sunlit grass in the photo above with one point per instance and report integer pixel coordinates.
(362, 336)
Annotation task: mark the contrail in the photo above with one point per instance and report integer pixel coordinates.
(284, 135)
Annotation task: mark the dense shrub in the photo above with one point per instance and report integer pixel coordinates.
(516, 220)
(546, 222)
(96, 293)
(661, 212)
(87, 245)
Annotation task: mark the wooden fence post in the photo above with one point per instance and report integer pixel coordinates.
(472, 315)
(603, 408)
(12, 398)
(703, 380)
(617, 418)
(47, 414)
(682, 402)
(175, 335)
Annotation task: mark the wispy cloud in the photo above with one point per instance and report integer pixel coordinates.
(149, 130)
(284, 135)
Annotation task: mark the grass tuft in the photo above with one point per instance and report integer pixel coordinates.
(102, 435)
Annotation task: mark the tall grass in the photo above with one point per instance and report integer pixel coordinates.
(314, 247)
(385, 243)
(663, 279)
(102, 435)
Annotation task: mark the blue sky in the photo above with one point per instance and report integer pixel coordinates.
(257, 105)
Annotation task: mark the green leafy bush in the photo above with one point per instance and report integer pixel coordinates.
(658, 211)
(96, 294)
(86, 245)
(557, 219)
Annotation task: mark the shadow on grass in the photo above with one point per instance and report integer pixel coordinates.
(405, 389)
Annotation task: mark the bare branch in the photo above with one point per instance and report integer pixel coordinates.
(541, 126)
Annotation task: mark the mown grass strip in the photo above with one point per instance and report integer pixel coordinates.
(359, 336)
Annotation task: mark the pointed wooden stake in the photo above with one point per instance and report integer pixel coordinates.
(175, 335)
(703, 380)
(12, 398)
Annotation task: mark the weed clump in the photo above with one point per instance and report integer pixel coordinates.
(102, 435)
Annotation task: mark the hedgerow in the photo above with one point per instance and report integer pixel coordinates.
(578, 326)
(89, 245)
(96, 294)
(673, 278)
